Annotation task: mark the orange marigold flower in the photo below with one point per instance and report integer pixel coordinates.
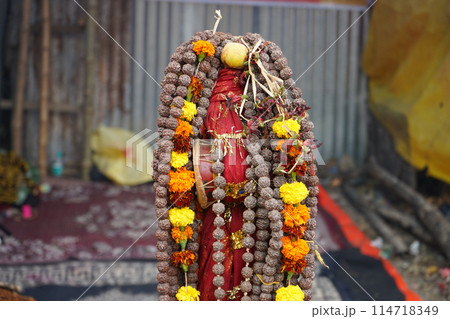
(295, 216)
(294, 250)
(280, 144)
(181, 180)
(289, 265)
(203, 48)
(184, 257)
(181, 143)
(183, 129)
(297, 231)
(181, 199)
(294, 151)
(300, 170)
(178, 234)
(194, 89)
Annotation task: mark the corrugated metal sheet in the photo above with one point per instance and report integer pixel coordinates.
(334, 86)
(67, 73)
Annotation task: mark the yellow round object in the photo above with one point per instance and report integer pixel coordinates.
(289, 293)
(234, 55)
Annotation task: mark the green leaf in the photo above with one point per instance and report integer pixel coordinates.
(278, 169)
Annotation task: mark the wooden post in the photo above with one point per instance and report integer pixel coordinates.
(21, 77)
(89, 93)
(45, 87)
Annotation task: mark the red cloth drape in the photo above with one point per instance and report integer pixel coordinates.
(222, 119)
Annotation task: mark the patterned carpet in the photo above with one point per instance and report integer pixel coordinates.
(85, 221)
(124, 281)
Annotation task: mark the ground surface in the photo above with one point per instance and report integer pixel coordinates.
(420, 272)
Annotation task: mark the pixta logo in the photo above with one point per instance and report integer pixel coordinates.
(139, 150)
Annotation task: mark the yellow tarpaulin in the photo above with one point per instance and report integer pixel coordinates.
(407, 59)
(109, 146)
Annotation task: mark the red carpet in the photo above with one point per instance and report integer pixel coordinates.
(86, 221)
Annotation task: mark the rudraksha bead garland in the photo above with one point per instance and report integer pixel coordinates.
(219, 209)
(179, 121)
(263, 274)
(249, 228)
(289, 128)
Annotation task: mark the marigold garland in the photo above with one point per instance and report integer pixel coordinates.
(293, 160)
(291, 266)
(294, 151)
(182, 145)
(293, 193)
(203, 48)
(178, 234)
(296, 231)
(181, 199)
(295, 215)
(194, 89)
(181, 217)
(301, 169)
(183, 129)
(189, 111)
(188, 294)
(294, 250)
(184, 257)
(179, 159)
(181, 180)
(289, 293)
(284, 129)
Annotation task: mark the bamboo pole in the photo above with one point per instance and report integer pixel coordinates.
(45, 87)
(21, 77)
(89, 92)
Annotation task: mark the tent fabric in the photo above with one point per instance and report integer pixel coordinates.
(407, 59)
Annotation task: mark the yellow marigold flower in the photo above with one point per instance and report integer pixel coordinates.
(293, 193)
(294, 250)
(290, 293)
(189, 111)
(181, 217)
(285, 129)
(179, 159)
(295, 216)
(188, 294)
(203, 48)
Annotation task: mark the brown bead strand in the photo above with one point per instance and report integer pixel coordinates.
(193, 245)
(249, 228)
(265, 198)
(160, 175)
(218, 234)
(253, 148)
